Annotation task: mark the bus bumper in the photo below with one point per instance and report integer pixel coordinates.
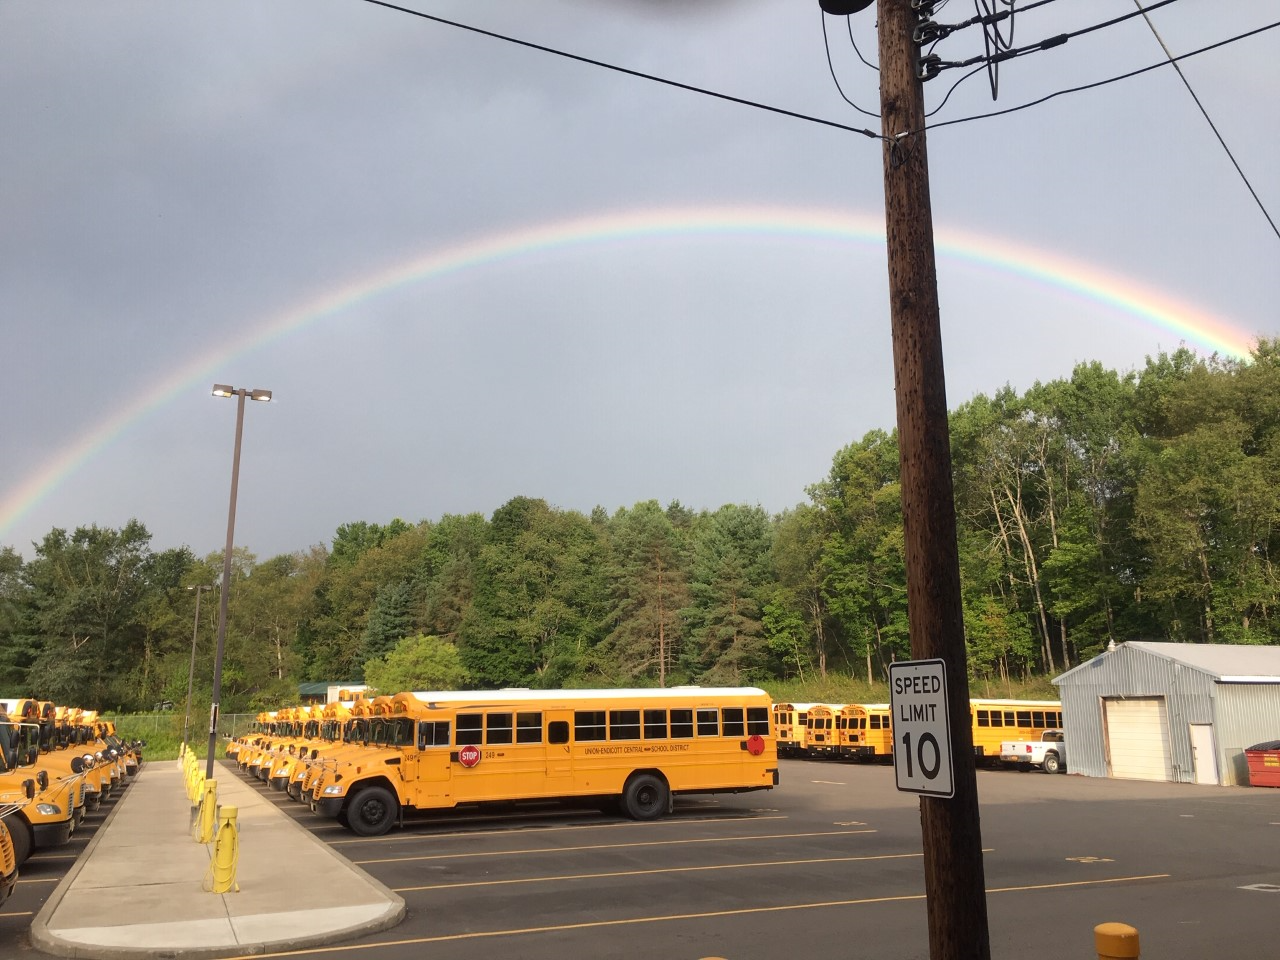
(51, 834)
(329, 806)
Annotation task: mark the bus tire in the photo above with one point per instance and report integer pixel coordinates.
(645, 797)
(371, 812)
(1051, 763)
(20, 835)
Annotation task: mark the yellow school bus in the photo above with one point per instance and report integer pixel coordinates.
(994, 721)
(865, 731)
(820, 729)
(635, 748)
(789, 725)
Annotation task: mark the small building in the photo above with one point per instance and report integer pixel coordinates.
(326, 692)
(1171, 711)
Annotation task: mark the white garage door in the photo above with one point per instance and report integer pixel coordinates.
(1138, 738)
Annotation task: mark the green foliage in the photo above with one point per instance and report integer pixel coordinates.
(1142, 505)
(418, 663)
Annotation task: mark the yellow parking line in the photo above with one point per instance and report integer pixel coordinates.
(643, 873)
(406, 835)
(609, 846)
(595, 924)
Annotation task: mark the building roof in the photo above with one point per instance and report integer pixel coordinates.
(1241, 663)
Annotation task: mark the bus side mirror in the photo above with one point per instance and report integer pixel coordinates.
(29, 788)
(77, 765)
(42, 778)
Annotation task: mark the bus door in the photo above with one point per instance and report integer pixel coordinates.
(432, 769)
(559, 747)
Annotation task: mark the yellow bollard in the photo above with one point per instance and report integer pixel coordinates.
(226, 853)
(208, 807)
(1115, 941)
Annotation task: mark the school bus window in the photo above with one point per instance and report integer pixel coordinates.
(433, 733)
(732, 719)
(528, 728)
(624, 724)
(708, 722)
(497, 728)
(757, 721)
(1009, 720)
(655, 724)
(984, 718)
(802, 718)
(1024, 718)
(558, 731)
(588, 725)
(470, 728)
(681, 724)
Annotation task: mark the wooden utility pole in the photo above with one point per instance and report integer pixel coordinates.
(954, 880)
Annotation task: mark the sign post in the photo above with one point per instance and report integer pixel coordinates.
(922, 761)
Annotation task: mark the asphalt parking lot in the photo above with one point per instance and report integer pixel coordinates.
(829, 863)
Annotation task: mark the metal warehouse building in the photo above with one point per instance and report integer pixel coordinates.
(1171, 711)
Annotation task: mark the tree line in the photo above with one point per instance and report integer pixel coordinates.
(1139, 505)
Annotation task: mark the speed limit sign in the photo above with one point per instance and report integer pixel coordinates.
(921, 728)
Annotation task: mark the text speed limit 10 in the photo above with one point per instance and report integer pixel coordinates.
(921, 728)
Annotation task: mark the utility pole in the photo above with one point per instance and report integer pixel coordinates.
(954, 879)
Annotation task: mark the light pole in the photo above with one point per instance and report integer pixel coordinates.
(186, 720)
(222, 390)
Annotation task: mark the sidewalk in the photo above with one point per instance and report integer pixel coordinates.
(137, 890)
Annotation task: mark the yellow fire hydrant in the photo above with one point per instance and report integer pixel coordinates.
(226, 853)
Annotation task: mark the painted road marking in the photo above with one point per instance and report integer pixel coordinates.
(657, 870)
(1090, 860)
(632, 921)
(613, 846)
(406, 836)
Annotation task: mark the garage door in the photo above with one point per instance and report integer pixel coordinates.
(1138, 738)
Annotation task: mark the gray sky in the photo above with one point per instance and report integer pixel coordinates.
(190, 191)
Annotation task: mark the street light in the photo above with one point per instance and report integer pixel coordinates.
(222, 390)
(186, 720)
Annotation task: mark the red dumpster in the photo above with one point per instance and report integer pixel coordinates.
(1264, 764)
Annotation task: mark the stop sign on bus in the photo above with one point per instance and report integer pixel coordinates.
(469, 755)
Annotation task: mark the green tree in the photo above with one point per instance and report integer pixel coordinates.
(84, 592)
(649, 581)
(418, 663)
(730, 575)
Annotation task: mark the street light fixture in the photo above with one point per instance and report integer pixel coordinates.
(186, 720)
(222, 390)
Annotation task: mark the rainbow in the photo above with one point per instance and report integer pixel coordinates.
(1188, 323)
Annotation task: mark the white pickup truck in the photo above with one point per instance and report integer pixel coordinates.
(1049, 753)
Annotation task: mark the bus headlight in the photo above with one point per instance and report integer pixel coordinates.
(333, 790)
(49, 809)
(300, 774)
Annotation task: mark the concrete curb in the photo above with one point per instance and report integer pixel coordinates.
(205, 939)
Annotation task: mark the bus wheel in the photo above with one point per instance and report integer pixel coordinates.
(645, 797)
(20, 834)
(371, 812)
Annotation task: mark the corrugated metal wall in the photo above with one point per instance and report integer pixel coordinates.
(1247, 713)
(1132, 672)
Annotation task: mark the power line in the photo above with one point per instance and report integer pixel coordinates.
(826, 45)
(1047, 44)
(1185, 82)
(617, 69)
(1103, 83)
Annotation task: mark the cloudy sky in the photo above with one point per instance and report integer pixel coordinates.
(471, 270)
